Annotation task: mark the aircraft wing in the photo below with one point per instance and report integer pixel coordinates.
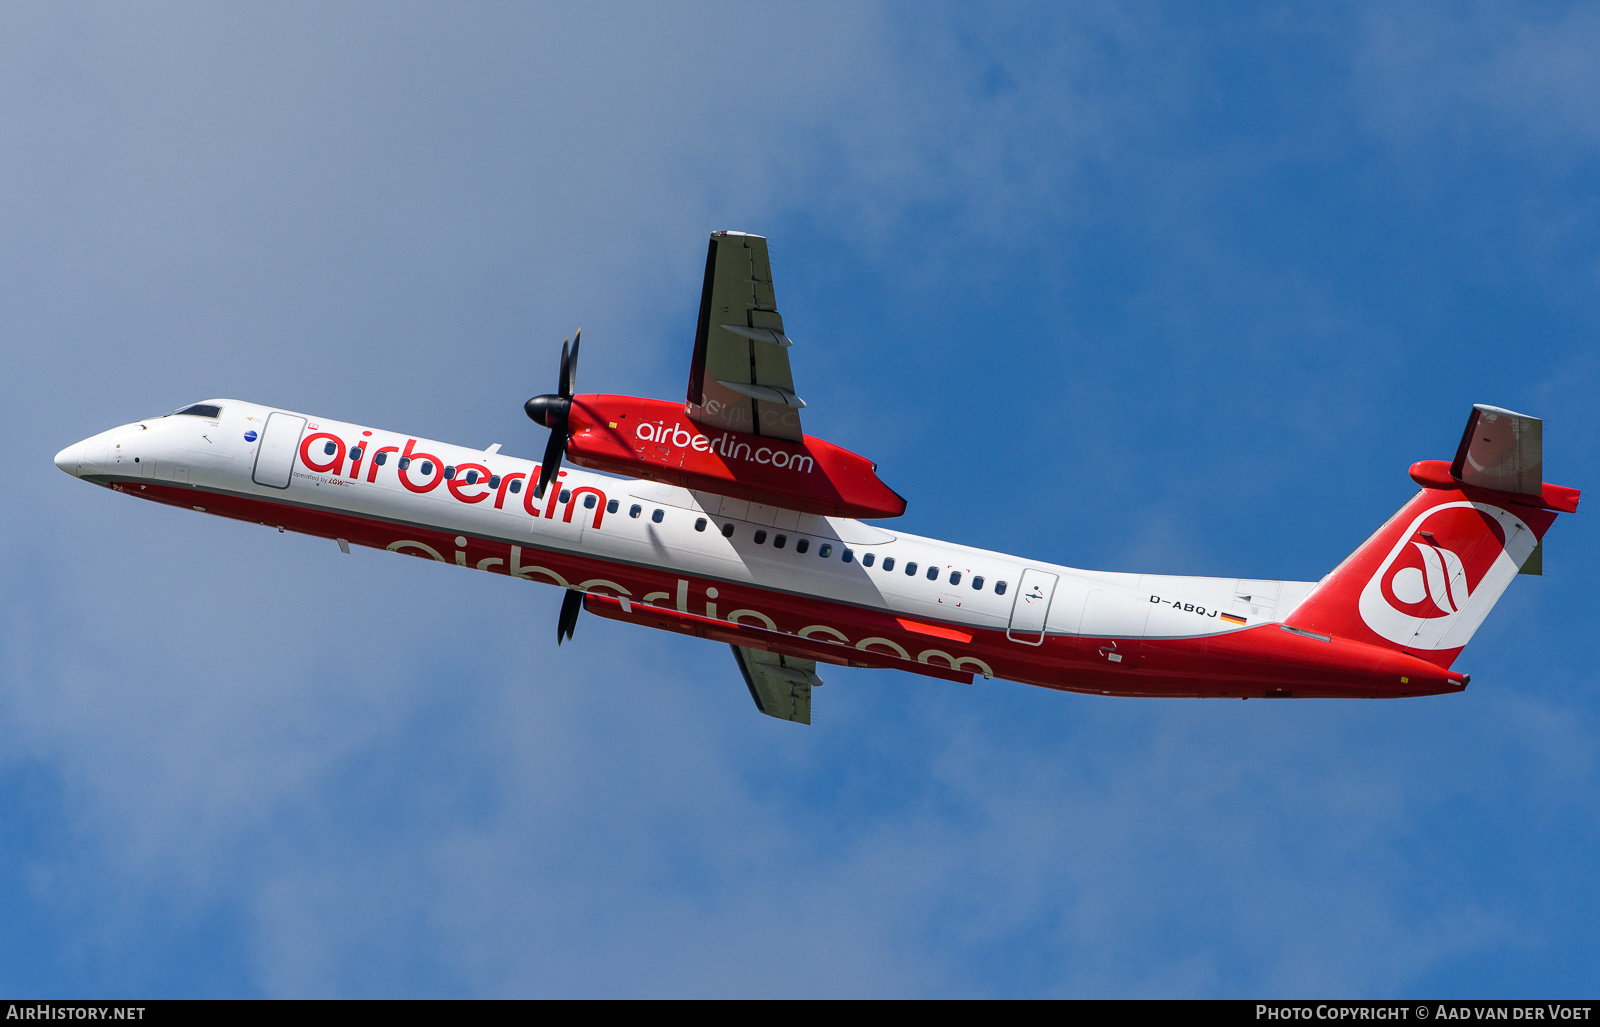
(739, 379)
(780, 685)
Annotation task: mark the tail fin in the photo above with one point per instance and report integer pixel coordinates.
(1426, 579)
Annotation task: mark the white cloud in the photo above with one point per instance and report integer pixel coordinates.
(1482, 74)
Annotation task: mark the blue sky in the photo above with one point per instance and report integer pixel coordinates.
(1118, 286)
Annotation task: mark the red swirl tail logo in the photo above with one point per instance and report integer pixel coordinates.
(1444, 573)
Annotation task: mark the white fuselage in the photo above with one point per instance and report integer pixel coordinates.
(649, 525)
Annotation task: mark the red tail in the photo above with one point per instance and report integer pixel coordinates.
(1426, 579)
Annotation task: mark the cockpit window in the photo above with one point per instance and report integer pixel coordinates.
(199, 410)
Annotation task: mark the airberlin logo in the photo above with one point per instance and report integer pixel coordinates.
(727, 445)
(1429, 580)
(1442, 576)
(326, 454)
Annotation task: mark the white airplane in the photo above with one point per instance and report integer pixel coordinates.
(729, 523)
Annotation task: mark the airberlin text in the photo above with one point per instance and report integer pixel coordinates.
(680, 599)
(469, 482)
(333, 460)
(1183, 607)
(726, 445)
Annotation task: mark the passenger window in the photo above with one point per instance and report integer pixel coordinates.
(565, 496)
(955, 577)
(847, 556)
(658, 515)
(516, 485)
(826, 551)
(381, 459)
(977, 582)
(778, 541)
(449, 474)
(472, 477)
(494, 481)
(911, 569)
(405, 463)
(355, 452)
(427, 468)
(999, 588)
(761, 537)
(330, 448)
(590, 500)
(700, 524)
(866, 561)
(611, 506)
(635, 510)
(802, 545)
(727, 531)
(888, 563)
(933, 574)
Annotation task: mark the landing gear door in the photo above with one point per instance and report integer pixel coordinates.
(1031, 607)
(280, 437)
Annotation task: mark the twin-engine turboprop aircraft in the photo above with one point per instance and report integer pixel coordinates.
(730, 523)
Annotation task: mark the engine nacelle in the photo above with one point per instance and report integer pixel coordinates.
(655, 439)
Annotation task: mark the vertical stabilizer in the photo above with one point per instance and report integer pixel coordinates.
(1426, 579)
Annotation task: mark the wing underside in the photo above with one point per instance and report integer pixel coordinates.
(739, 379)
(780, 685)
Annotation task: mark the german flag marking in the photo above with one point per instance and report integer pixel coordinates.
(1231, 619)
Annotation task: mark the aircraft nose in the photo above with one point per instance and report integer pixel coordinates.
(70, 458)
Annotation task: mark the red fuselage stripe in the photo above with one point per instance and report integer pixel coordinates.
(1251, 662)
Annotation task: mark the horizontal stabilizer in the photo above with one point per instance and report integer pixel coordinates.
(1501, 450)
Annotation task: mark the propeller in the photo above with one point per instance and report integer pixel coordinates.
(552, 412)
(571, 604)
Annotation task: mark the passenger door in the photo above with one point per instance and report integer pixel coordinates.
(1031, 607)
(275, 454)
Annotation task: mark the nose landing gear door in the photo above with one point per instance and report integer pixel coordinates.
(1032, 605)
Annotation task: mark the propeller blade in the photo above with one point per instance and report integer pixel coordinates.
(569, 369)
(552, 459)
(571, 604)
(553, 412)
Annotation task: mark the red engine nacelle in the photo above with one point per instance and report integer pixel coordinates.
(652, 438)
